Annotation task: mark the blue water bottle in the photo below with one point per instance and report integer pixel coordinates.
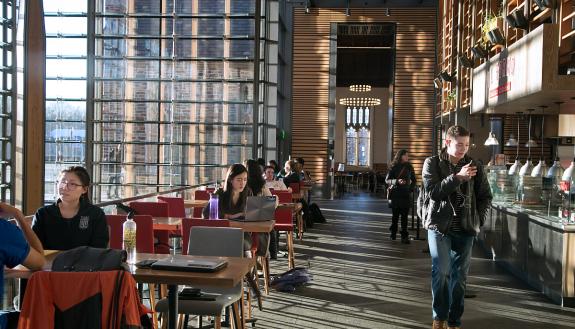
(214, 206)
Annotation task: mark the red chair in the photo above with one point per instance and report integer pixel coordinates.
(188, 223)
(155, 209)
(144, 233)
(284, 223)
(295, 187)
(176, 206)
(200, 195)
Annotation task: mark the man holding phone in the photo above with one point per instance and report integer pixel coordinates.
(458, 200)
(17, 246)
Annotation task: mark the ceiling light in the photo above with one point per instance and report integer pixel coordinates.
(496, 37)
(511, 141)
(479, 52)
(437, 83)
(360, 88)
(464, 61)
(446, 77)
(360, 101)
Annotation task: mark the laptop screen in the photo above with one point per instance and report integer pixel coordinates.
(260, 208)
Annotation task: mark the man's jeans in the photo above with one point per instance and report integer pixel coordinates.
(450, 260)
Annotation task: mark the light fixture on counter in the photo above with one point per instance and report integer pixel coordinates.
(515, 166)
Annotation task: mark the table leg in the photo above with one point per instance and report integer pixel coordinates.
(172, 306)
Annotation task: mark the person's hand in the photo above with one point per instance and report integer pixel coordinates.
(7, 210)
(467, 172)
(401, 181)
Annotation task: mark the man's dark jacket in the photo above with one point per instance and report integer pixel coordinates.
(439, 186)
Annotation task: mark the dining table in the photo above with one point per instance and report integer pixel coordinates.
(227, 277)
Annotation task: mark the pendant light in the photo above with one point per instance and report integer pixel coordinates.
(512, 141)
(530, 142)
(541, 167)
(556, 171)
(515, 167)
(528, 166)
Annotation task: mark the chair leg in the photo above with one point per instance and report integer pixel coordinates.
(289, 240)
(218, 322)
(299, 222)
(152, 292)
(266, 269)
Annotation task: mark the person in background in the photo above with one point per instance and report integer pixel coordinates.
(17, 246)
(271, 182)
(274, 165)
(291, 175)
(72, 221)
(257, 187)
(461, 198)
(304, 175)
(262, 163)
(401, 181)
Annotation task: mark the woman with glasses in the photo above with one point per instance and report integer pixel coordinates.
(72, 221)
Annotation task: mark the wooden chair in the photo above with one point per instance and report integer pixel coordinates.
(155, 209)
(284, 223)
(200, 195)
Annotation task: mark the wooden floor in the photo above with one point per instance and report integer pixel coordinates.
(362, 279)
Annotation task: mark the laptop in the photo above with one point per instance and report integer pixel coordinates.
(259, 208)
(175, 263)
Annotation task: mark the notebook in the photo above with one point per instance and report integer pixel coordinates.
(260, 208)
(175, 263)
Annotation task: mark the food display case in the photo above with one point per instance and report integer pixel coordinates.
(532, 222)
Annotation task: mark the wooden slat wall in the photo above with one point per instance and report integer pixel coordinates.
(413, 91)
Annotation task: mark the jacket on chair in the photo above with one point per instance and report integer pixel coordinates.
(107, 299)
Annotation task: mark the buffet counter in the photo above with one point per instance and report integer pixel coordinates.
(534, 245)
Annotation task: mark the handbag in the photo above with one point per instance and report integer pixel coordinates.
(393, 186)
(88, 259)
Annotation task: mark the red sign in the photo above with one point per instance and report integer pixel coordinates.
(500, 90)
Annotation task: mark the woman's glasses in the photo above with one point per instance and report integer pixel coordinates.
(69, 185)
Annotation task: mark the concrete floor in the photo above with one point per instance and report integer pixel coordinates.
(362, 279)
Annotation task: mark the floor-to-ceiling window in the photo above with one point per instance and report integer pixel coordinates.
(9, 14)
(173, 91)
(66, 87)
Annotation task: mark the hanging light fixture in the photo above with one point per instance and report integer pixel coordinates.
(512, 141)
(513, 169)
(530, 142)
(360, 88)
(556, 171)
(541, 167)
(491, 140)
(360, 101)
(528, 166)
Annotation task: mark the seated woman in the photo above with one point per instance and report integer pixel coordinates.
(292, 176)
(72, 221)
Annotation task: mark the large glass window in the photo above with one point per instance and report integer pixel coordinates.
(173, 91)
(66, 88)
(357, 133)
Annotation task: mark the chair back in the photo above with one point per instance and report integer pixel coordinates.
(188, 223)
(283, 196)
(115, 223)
(144, 233)
(154, 209)
(216, 241)
(295, 187)
(176, 205)
(200, 195)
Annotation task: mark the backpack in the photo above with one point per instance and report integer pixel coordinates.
(316, 214)
(88, 259)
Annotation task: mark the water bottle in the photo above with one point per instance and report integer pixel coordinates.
(214, 206)
(129, 240)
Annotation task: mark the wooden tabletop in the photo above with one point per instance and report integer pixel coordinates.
(195, 203)
(167, 223)
(227, 277)
(254, 227)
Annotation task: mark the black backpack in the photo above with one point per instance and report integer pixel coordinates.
(88, 259)
(316, 214)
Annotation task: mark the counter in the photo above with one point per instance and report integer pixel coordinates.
(534, 246)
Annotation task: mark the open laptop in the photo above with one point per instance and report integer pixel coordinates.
(259, 208)
(175, 263)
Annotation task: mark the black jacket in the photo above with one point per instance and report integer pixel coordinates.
(400, 195)
(439, 186)
(87, 228)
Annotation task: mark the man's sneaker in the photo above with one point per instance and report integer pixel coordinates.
(439, 324)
